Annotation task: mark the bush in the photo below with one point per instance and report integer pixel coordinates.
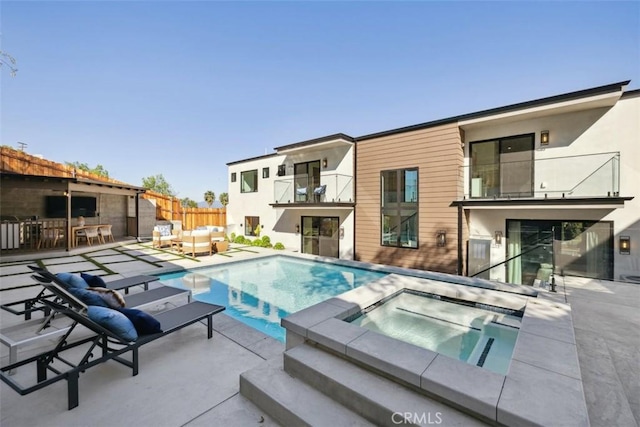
(256, 242)
(240, 239)
(233, 237)
(278, 246)
(266, 240)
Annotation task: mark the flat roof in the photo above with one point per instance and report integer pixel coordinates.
(110, 184)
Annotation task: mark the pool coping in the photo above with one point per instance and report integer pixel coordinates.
(543, 385)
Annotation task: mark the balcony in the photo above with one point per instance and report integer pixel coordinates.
(580, 176)
(300, 190)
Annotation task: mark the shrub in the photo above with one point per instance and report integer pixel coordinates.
(256, 242)
(266, 240)
(278, 246)
(240, 239)
(233, 237)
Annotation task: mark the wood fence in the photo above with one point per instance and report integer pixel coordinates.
(167, 207)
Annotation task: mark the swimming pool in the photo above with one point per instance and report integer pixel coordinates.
(477, 334)
(261, 292)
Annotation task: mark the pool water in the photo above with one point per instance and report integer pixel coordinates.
(261, 292)
(480, 336)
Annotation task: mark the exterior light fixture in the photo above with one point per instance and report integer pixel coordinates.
(324, 163)
(498, 237)
(297, 228)
(441, 238)
(625, 245)
(544, 137)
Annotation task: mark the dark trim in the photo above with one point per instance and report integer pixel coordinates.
(314, 205)
(631, 93)
(44, 178)
(317, 141)
(264, 156)
(513, 107)
(558, 201)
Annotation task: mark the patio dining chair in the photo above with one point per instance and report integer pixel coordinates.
(50, 236)
(88, 233)
(105, 233)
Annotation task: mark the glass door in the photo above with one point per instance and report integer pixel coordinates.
(320, 236)
(307, 179)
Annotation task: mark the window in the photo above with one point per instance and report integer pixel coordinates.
(502, 167)
(233, 177)
(282, 170)
(399, 208)
(250, 225)
(265, 172)
(249, 181)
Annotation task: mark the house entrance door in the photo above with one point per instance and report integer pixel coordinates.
(320, 236)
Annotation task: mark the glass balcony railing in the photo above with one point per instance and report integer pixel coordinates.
(333, 188)
(588, 175)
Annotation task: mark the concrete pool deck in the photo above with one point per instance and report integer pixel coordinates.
(186, 379)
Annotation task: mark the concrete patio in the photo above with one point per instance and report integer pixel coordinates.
(186, 379)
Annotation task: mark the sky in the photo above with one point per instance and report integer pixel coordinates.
(181, 88)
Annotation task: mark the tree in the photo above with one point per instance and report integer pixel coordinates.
(9, 62)
(188, 203)
(209, 197)
(158, 184)
(224, 199)
(98, 170)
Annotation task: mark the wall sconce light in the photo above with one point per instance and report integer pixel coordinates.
(297, 228)
(498, 237)
(625, 245)
(544, 137)
(441, 238)
(324, 163)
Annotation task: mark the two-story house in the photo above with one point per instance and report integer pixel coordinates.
(302, 196)
(511, 194)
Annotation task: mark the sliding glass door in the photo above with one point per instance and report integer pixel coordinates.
(307, 179)
(320, 236)
(577, 248)
(502, 167)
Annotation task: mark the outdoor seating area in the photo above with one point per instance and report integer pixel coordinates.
(204, 239)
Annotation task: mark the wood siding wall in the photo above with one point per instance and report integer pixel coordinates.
(169, 208)
(438, 154)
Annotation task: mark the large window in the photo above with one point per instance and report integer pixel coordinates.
(399, 208)
(250, 225)
(502, 167)
(249, 181)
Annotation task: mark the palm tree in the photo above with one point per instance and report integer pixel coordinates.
(209, 197)
(224, 199)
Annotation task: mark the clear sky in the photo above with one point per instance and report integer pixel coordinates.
(180, 88)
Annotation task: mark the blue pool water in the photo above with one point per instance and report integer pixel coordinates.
(261, 292)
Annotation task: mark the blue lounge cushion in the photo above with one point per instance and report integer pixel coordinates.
(72, 280)
(144, 323)
(114, 321)
(88, 297)
(93, 281)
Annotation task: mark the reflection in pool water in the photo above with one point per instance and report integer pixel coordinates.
(261, 292)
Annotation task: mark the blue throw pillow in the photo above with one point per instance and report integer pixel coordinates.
(88, 297)
(165, 230)
(144, 323)
(114, 321)
(72, 280)
(93, 281)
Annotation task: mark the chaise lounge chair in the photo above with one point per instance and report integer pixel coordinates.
(111, 346)
(38, 330)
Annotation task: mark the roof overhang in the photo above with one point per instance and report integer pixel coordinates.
(327, 142)
(603, 100)
(556, 203)
(75, 184)
(316, 206)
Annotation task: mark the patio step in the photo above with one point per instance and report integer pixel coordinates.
(291, 402)
(378, 399)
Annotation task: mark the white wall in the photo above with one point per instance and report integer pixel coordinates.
(594, 131)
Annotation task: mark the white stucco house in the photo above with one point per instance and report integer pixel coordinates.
(302, 195)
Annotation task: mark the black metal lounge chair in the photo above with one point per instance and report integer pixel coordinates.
(139, 300)
(111, 346)
(32, 305)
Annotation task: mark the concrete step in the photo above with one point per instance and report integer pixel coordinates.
(378, 399)
(292, 402)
